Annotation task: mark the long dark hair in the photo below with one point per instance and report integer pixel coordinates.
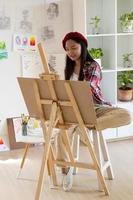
(70, 64)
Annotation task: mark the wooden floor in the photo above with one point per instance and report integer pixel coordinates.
(85, 182)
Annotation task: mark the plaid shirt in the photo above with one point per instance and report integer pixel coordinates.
(92, 73)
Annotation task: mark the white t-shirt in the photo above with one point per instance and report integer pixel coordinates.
(74, 77)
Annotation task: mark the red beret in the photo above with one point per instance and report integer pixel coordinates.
(74, 35)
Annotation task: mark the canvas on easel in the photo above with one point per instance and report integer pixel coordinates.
(56, 102)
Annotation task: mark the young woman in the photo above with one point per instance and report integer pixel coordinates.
(81, 66)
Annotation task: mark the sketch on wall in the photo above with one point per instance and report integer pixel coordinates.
(52, 10)
(47, 33)
(24, 42)
(57, 63)
(25, 24)
(31, 65)
(52, 17)
(3, 50)
(5, 20)
(24, 20)
(57, 21)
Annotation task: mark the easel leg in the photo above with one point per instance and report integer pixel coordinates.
(48, 167)
(68, 146)
(106, 157)
(23, 159)
(52, 168)
(96, 142)
(46, 151)
(94, 158)
(42, 172)
(76, 144)
(102, 154)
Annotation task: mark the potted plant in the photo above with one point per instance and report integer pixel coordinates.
(95, 21)
(126, 22)
(97, 54)
(126, 59)
(125, 80)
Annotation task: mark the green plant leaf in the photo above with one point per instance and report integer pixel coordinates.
(96, 52)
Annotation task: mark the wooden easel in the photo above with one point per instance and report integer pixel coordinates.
(46, 75)
(56, 101)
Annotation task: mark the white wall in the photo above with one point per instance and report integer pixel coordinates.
(11, 101)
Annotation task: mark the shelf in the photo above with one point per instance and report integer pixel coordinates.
(110, 34)
(108, 70)
(108, 84)
(105, 10)
(101, 35)
(120, 69)
(125, 34)
(123, 6)
(107, 44)
(113, 42)
(124, 45)
(126, 103)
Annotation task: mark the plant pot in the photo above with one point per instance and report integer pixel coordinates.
(127, 28)
(95, 30)
(125, 94)
(98, 60)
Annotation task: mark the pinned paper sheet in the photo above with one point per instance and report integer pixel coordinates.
(24, 42)
(3, 50)
(31, 65)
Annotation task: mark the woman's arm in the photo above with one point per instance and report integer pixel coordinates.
(92, 73)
